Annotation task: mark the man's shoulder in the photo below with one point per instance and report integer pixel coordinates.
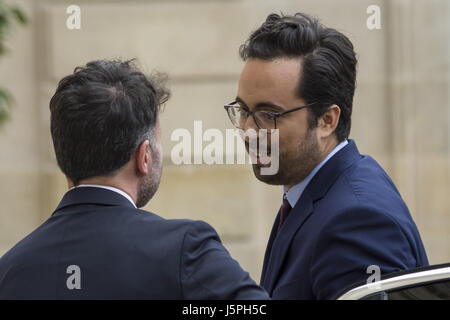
(147, 218)
(365, 186)
(367, 181)
(119, 227)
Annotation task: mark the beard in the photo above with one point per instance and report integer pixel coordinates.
(150, 184)
(295, 164)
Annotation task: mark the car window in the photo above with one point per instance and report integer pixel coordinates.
(431, 291)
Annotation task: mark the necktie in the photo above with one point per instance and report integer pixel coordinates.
(284, 212)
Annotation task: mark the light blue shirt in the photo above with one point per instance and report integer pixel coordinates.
(296, 191)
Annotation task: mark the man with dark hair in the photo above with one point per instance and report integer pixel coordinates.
(97, 244)
(341, 213)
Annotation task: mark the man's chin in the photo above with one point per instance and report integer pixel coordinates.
(273, 179)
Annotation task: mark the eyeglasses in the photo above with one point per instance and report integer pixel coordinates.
(263, 119)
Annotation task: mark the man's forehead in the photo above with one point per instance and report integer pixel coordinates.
(270, 79)
(279, 67)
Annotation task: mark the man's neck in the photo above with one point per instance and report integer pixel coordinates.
(327, 147)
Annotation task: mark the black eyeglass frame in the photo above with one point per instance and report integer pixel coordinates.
(274, 115)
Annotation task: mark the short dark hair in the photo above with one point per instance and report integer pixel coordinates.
(100, 114)
(328, 62)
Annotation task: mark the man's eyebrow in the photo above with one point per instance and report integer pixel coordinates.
(241, 101)
(262, 104)
(268, 104)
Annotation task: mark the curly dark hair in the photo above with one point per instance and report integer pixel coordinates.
(101, 113)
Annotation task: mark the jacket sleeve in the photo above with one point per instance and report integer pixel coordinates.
(351, 242)
(207, 270)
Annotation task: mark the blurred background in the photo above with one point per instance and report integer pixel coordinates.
(401, 108)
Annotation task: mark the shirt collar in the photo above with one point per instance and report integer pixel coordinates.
(296, 191)
(108, 188)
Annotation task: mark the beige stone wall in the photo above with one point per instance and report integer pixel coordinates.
(19, 140)
(400, 116)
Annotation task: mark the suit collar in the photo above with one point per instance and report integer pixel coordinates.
(328, 174)
(316, 189)
(121, 192)
(93, 195)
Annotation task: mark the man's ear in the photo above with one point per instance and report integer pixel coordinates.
(329, 121)
(70, 183)
(143, 158)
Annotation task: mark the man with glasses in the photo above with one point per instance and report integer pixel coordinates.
(341, 215)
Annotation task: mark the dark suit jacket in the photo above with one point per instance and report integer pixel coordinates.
(349, 217)
(122, 253)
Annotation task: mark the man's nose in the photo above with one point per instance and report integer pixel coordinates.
(250, 124)
(250, 129)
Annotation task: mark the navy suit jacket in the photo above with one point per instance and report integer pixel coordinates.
(349, 217)
(122, 253)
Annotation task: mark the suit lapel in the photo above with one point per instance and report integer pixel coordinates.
(273, 233)
(279, 243)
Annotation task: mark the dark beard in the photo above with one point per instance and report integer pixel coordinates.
(294, 166)
(150, 184)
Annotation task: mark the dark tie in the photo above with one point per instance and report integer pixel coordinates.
(284, 212)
